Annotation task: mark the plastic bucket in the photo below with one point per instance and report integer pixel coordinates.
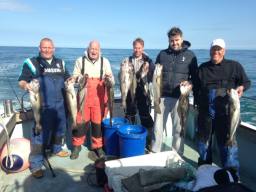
(132, 140)
(111, 144)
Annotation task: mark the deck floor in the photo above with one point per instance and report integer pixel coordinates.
(72, 175)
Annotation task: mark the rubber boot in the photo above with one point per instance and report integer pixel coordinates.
(75, 152)
(149, 140)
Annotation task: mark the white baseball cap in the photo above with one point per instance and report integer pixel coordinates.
(218, 42)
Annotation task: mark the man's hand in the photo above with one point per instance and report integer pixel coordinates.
(71, 80)
(108, 80)
(240, 90)
(185, 83)
(27, 87)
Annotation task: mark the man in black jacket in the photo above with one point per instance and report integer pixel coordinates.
(143, 68)
(179, 65)
(216, 78)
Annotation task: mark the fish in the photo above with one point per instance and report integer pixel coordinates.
(110, 92)
(234, 111)
(183, 105)
(34, 96)
(133, 87)
(157, 86)
(128, 82)
(82, 92)
(143, 76)
(71, 101)
(144, 69)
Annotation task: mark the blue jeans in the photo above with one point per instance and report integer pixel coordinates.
(216, 120)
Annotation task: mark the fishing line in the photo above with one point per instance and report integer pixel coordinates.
(14, 92)
(5, 69)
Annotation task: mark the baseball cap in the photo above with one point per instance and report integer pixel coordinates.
(218, 42)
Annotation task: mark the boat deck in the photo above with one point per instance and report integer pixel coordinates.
(75, 175)
(70, 176)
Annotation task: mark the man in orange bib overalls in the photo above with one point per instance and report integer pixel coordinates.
(96, 69)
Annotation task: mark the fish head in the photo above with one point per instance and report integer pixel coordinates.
(185, 88)
(35, 85)
(158, 69)
(233, 95)
(82, 80)
(145, 69)
(69, 84)
(107, 81)
(126, 76)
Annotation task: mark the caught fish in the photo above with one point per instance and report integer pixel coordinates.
(133, 87)
(183, 105)
(157, 87)
(110, 92)
(82, 92)
(128, 82)
(143, 76)
(234, 109)
(71, 101)
(144, 69)
(34, 96)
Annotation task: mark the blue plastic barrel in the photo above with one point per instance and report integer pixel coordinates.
(132, 140)
(110, 138)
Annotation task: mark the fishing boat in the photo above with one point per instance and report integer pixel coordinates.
(79, 174)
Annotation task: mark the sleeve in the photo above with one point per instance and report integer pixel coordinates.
(158, 59)
(241, 78)
(193, 77)
(26, 74)
(108, 70)
(78, 67)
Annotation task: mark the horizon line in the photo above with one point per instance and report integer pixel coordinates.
(122, 48)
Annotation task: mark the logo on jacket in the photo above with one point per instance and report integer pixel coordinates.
(52, 70)
(58, 65)
(183, 59)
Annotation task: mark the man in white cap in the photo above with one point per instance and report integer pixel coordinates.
(216, 78)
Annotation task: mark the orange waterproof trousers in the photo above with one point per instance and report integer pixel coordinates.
(95, 109)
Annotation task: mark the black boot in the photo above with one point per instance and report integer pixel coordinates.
(149, 139)
(75, 152)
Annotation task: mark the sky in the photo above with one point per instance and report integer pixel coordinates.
(116, 23)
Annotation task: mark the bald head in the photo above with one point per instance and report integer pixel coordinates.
(94, 50)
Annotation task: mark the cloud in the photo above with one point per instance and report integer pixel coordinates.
(13, 6)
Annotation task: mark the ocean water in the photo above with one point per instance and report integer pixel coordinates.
(11, 61)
